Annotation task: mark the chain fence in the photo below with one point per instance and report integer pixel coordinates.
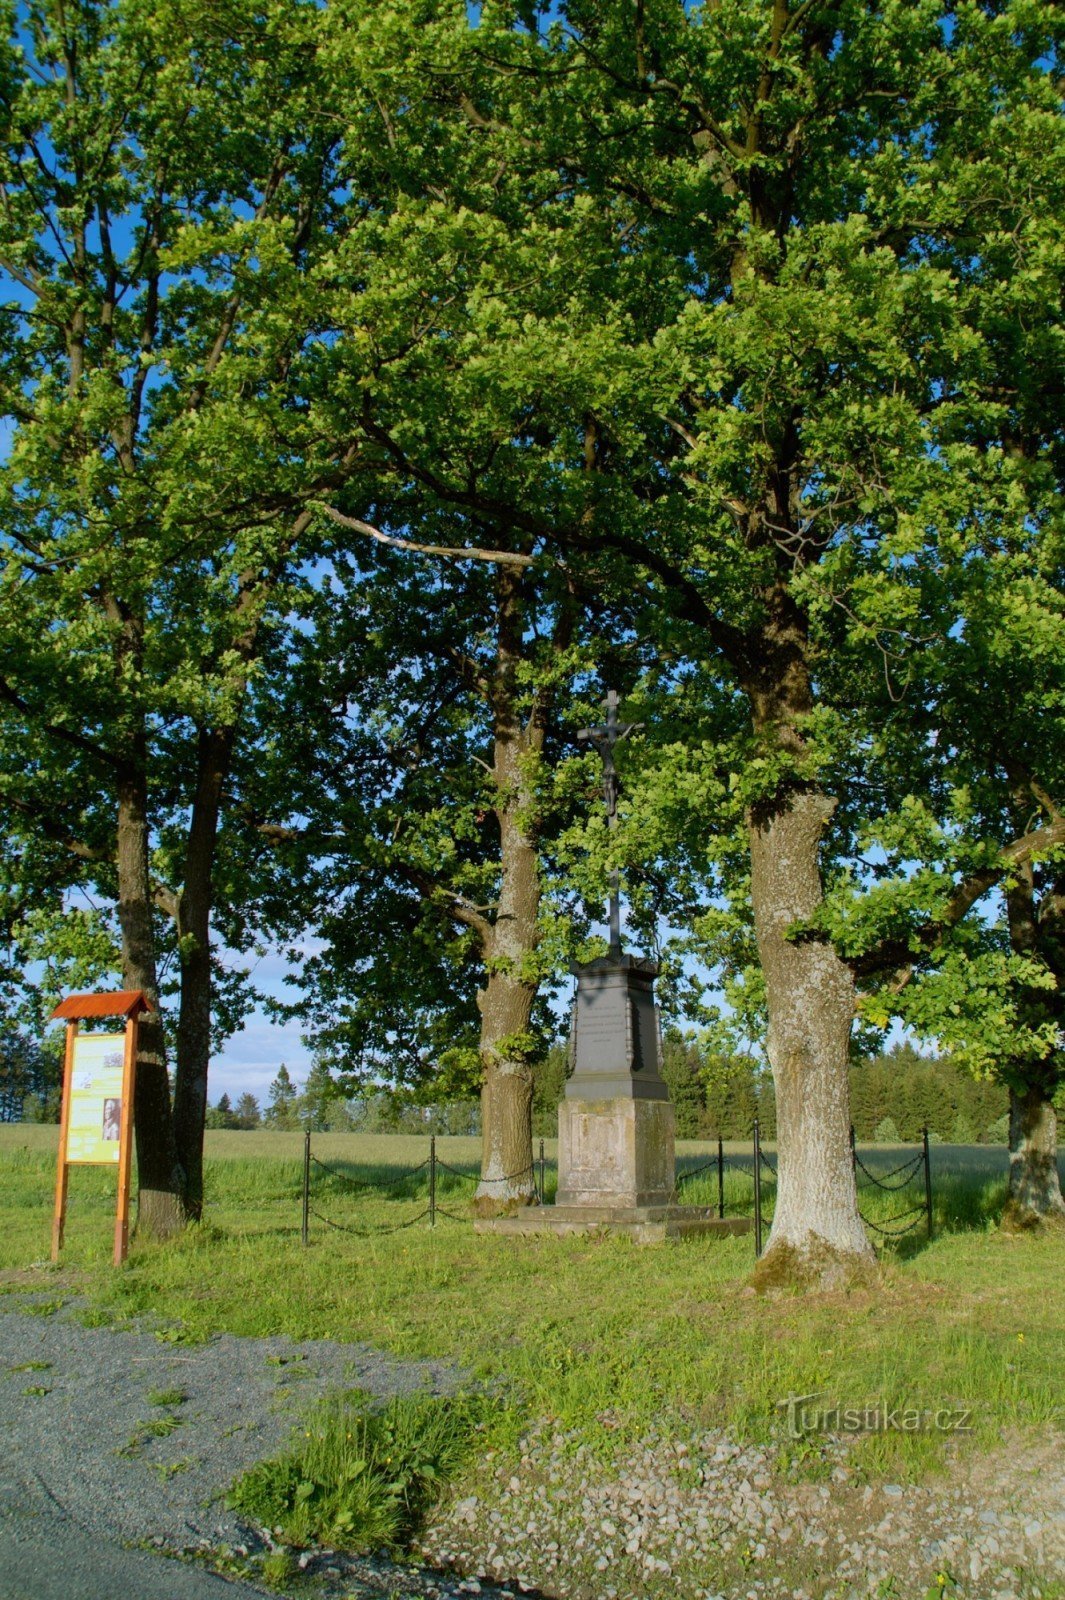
(341, 1182)
(759, 1169)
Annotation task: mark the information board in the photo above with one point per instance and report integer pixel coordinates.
(96, 1122)
(93, 1132)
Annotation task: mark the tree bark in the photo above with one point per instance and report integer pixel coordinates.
(506, 1001)
(1035, 1184)
(507, 1175)
(194, 934)
(160, 1181)
(817, 1235)
(817, 1238)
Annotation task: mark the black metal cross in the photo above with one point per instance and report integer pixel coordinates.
(603, 739)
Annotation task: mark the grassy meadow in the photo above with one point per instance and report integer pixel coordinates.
(596, 1333)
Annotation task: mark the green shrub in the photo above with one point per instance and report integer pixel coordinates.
(359, 1478)
(886, 1132)
(963, 1131)
(999, 1132)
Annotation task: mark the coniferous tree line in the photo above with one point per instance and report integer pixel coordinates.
(893, 1098)
(30, 1072)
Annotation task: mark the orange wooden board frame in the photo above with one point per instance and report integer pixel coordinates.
(127, 1005)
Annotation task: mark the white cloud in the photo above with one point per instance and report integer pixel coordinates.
(248, 1062)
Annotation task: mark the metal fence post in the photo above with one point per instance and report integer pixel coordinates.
(543, 1200)
(720, 1177)
(757, 1191)
(432, 1180)
(854, 1151)
(306, 1184)
(927, 1180)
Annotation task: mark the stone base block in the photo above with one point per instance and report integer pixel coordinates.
(643, 1224)
(615, 1153)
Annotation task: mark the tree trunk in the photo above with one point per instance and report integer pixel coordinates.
(160, 1185)
(507, 1174)
(817, 1235)
(1035, 1185)
(194, 934)
(506, 1001)
(817, 1238)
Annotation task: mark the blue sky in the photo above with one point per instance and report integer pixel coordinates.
(248, 1062)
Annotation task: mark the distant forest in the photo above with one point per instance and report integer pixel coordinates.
(893, 1096)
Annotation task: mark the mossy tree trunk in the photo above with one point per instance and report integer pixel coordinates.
(507, 1177)
(1034, 1183)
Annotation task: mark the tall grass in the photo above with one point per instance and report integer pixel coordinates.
(362, 1477)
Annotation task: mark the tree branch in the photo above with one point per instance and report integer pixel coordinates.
(503, 558)
(65, 735)
(45, 820)
(901, 955)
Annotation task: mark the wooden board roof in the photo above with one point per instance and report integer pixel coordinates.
(124, 1003)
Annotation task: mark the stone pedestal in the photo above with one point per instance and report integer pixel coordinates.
(615, 1152)
(616, 1128)
(641, 1224)
(616, 1044)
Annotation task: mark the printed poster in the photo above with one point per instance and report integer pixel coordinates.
(96, 1098)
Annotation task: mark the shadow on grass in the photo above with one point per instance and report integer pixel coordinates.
(968, 1184)
(969, 1192)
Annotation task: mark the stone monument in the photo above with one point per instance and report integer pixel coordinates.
(616, 1128)
(616, 1123)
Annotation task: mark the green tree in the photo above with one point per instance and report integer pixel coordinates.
(221, 1115)
(731, 1095)
(167, 194)
(550, 1072)
(774, 450)
(977, 764)
(430, 806)
(30, 1078)
(282, 1106)
(319, 1100)
(247, 1112)
(682, 1069)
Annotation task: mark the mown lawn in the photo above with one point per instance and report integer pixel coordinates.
(592, 1332)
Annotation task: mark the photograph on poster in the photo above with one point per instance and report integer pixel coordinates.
(95, 1099)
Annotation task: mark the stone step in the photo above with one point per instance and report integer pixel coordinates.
(644, 1224)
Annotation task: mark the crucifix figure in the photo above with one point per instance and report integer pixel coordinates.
(603, 739)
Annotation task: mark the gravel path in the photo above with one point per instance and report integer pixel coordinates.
(708, 1518)
(60, 1562)
(75, 1432)
(85, 1451)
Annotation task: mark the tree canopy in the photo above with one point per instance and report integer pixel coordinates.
(383, 383)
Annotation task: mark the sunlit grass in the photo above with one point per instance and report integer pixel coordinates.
(596, 1333)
